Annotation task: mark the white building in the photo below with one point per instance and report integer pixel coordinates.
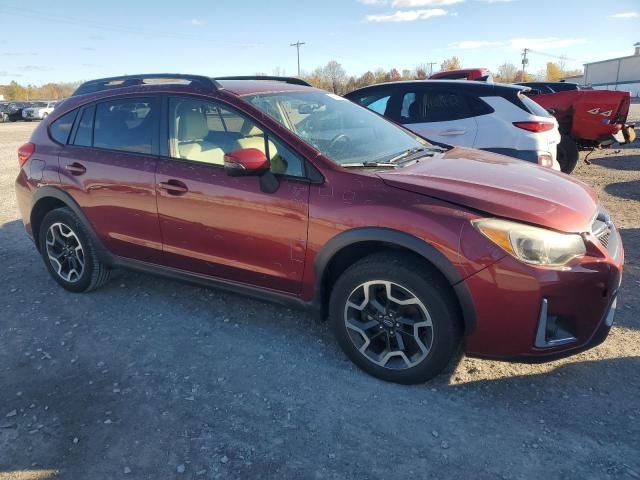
(621, 73)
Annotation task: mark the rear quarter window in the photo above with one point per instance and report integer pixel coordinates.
(61, 128)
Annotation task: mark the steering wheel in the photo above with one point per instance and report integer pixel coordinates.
(339, 138)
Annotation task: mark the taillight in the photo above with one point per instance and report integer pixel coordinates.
(535, 126)
(25, 152)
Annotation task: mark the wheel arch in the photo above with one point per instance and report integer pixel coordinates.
(49, 198)
(350, 246)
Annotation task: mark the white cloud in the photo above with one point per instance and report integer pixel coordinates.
(475, 44)
(196, 22)
(373, 2)
(624, 15)
(407, 15)
(424, 3)
(545, 43)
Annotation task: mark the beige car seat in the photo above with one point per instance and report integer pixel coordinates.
(192, 128)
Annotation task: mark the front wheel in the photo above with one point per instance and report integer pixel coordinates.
(568, 154)
(395, 321)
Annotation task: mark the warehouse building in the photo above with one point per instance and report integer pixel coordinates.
(621, 73)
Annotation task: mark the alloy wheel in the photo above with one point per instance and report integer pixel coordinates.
(388, 324)
(65, 252)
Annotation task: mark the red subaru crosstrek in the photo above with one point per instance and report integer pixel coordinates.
(269, 187)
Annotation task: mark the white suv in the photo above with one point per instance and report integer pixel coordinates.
(494, 117)
(38, 110)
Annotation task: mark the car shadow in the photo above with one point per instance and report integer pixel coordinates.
(618, 162)
(629, 190)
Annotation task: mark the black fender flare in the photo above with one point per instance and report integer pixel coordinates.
(50, 191)
(407, 241)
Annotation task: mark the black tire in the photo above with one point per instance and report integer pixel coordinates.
(568, 154)
(94, 272)
(427, 286)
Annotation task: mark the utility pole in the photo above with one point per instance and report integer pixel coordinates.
(298, 44)
(431, 64)
(525, 62)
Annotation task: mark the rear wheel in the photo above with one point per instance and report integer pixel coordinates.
(68, 252)
(567, 154)
(395, 321)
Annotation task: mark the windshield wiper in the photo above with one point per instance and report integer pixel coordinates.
(407, 153)
(368, 164)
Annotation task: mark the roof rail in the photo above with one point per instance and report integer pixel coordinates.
(291, 80)
(100, 84)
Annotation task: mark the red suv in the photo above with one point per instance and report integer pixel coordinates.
(275, 189)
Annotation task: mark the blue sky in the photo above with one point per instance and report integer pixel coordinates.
(57, 40)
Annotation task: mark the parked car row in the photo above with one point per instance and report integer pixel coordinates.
(28, 111)
(269, 187)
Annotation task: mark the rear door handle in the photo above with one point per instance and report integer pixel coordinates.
(174, 187)
(453, 132)
(75, 168)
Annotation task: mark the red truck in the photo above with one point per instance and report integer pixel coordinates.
(588, 118)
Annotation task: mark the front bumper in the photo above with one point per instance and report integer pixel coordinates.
(509, 296)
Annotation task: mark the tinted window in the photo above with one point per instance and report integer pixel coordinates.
(60, 129)
(84, 134)
(126, 125)
(204, 132)
(427, 106)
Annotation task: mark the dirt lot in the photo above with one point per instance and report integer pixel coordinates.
(150, 378)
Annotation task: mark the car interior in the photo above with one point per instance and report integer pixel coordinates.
(205, 133)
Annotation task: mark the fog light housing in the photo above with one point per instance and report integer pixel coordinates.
(551, 330)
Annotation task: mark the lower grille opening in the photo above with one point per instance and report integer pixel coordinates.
(553, 330)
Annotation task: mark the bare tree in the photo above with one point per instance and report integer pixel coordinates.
(335, 75)
(507, 73)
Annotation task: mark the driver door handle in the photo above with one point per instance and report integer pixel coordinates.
(174, 187)
(75, 168)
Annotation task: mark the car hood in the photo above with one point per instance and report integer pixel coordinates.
(501, 186)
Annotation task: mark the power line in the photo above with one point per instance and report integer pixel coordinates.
(431, 64)
(298, 44)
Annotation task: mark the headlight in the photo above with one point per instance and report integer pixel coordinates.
(534, 245)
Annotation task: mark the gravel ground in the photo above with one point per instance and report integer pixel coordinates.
(150, 378)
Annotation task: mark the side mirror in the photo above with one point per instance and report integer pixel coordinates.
(246, 162)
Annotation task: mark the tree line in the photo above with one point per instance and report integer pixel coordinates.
(48, 91)
(332, 77)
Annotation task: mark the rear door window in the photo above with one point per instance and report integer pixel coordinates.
(129, 125)
(84, 133)
(424, 106)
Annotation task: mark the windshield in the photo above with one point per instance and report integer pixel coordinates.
(342, 131)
